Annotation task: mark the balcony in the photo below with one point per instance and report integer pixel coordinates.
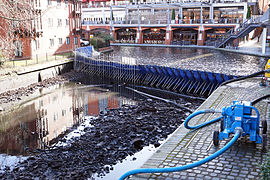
(165, 22)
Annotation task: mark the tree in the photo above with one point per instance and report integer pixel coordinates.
(16, 22)
(248, 13)
(173, 14)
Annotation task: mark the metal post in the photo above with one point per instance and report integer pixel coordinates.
(211, 13)
(139, 18)
(168, 11)
(201, 17)
(264, 34)
(111, 20)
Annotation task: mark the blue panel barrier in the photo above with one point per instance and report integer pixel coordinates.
(189, 75)
(188, 81)
(85, 51)
(164, 70)
(183, 74)
(159, 70)
(170, 71)
(197, 76)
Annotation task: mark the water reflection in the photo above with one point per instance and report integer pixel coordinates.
(37, 123)
(193, 58)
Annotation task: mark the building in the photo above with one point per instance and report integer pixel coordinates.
(58, 26)
(55, 28)
(16, 28)
(194, 22)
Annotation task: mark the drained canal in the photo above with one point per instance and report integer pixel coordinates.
(192, 58)
(97, 129)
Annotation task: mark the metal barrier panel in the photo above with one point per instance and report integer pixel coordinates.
(176, 79)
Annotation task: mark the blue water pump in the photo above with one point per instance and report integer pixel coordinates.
(239, 115)
(236, 119)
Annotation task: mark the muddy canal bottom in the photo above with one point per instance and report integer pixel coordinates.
(85, 131)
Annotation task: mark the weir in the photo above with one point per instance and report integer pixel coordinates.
(194, 82)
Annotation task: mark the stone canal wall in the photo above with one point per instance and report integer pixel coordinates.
(34, 74)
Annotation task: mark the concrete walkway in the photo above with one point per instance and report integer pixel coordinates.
(184, 147)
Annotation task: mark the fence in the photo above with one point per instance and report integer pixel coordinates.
(38, 59)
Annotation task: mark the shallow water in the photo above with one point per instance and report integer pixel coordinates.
(37, 123)
(192, 58)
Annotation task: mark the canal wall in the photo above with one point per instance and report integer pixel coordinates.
(33, 74)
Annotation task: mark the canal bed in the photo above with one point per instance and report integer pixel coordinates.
(117, 119)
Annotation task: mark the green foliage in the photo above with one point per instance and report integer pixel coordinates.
(173, 14)
(265, 167)
(106, 37)
(131, 1)
(101, 40)
(248, 13)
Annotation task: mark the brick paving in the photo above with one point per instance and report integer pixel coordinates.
(185, 146)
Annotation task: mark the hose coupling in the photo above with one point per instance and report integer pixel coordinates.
(213, 111)
(238, 130)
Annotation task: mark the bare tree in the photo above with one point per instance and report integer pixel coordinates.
(17, 18)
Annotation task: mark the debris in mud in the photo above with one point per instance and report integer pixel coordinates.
(112, 136)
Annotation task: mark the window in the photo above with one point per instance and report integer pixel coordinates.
(75, 40)
(50, 22)
(60, 41)
(37, 44)
(59, 24)
(68, 40)
(67, 22)
(18, 48)
(51, 42)
(66, 3)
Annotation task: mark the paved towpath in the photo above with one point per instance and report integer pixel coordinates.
(185, 146)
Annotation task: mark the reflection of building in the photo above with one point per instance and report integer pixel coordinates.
(195, 23)
(37, 123)
(16, 130)
(40, 121)
(98, 101)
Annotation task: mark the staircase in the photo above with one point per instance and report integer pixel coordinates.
(243, 30)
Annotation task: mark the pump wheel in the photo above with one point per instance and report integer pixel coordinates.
(221, 125)
(264, 142)
(215, 138)
(264, 126)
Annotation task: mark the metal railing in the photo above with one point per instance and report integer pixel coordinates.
(253, 22)
(37, 59)
(186, 2)
(181, 21)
